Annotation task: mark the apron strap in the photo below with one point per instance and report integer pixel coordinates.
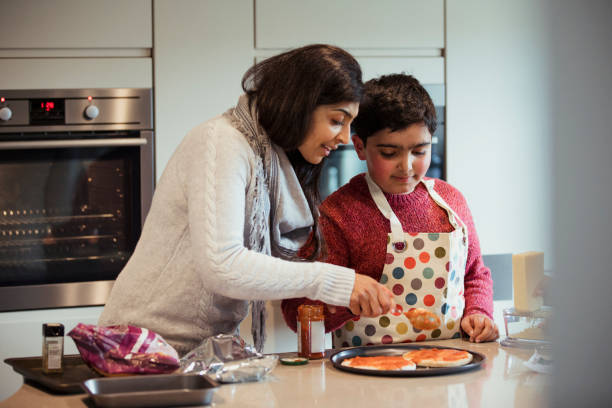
(453, 218)
(397, 231)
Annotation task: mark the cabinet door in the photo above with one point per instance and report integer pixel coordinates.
(58, 73)
(202, 49)
(428, 70)
(76, 24)
(350, 23)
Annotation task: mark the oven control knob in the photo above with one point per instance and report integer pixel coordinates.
(5, 113)
(92, 112)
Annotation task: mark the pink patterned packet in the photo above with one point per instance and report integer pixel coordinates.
(117, 350)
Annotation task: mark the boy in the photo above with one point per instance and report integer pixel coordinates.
(413, 234)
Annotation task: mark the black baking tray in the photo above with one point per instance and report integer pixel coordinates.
(157, 390)
(397, 350)
(68, 382)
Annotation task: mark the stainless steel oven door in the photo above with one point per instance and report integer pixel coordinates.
(71, 211)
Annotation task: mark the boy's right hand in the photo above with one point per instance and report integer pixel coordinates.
(369, 298)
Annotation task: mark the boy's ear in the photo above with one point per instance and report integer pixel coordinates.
(359, 147)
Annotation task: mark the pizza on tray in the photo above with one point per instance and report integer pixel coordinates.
(386, 363)
(434, 357)
(425, 357)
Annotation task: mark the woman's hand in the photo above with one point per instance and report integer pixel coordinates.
(480, 328)
(369, 298)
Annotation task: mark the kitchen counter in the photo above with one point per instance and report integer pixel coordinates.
(502, 380)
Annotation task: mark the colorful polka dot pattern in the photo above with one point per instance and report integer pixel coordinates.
(427, 274)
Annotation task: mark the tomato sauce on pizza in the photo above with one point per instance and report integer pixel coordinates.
(380, 363)
(435, 357)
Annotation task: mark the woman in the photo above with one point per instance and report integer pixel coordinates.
(237, 200)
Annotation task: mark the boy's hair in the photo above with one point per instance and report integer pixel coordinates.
(395, 102)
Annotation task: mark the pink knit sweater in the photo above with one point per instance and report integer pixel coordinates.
(356, 235)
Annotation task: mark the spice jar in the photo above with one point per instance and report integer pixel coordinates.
(53, 347)
(311, 331)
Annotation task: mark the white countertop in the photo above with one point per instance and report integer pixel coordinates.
(501, 381)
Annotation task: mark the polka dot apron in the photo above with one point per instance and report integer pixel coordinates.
(425, 273)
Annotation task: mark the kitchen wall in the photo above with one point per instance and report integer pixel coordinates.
(498, 120)
(492, 56)
(200, 57)
(202, 48)
(199, 61)
(58, 44)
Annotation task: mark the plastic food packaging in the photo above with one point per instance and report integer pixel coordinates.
(117, 350)
(228, 359)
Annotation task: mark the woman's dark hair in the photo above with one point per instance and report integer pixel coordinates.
(393, 102)
(287, 88)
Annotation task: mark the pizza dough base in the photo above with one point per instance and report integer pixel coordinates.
(425, 362)
(410, 365)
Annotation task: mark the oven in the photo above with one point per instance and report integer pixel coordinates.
(76, 182)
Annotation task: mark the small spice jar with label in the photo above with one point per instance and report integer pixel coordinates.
(52, 347)
(311, 331)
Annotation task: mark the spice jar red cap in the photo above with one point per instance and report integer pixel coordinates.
(52, 329)
(316, 311)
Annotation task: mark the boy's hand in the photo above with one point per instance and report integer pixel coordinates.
(480, 328)
(369, 298)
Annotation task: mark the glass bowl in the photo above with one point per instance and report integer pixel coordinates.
(527, 328)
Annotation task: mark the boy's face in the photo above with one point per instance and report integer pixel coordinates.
(398, 160)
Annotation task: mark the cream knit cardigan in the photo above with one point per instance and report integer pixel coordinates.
(191, 275)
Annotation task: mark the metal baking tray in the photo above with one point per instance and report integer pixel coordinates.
(159, 390)
(67, 382)
(398, 350)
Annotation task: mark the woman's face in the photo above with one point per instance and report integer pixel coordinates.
(398, 160)
(329, 127)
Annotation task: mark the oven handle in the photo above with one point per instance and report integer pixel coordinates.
(58, 144)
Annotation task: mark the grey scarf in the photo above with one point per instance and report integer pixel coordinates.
(261, 198)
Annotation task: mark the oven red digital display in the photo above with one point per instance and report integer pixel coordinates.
(47, 106)
(47, 111)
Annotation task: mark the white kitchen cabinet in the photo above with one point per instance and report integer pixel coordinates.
(39, 24)
(64, 73)
(500, 135)
(382, 24)
(202, 49)
(428, 70)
